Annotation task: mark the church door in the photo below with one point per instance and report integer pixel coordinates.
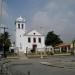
(34, 47)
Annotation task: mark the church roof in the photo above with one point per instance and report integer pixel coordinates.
(32, 33)
(20, 19)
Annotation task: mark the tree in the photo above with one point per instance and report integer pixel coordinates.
(52, 39)
(73, 42)
(5, 42)
(73, 48)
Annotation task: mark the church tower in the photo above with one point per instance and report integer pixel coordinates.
(20, 30)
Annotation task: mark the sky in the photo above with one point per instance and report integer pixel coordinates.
(42, 15)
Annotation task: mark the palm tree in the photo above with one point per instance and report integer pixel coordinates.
(5, 42)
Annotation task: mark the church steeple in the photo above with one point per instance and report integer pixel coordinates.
(20, 19)
(20, 31)
(20, 23)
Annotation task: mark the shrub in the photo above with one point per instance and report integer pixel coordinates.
(49, 53)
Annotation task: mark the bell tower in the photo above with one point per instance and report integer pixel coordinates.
(20, 31)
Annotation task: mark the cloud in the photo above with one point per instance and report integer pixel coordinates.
(57, 15)
(6, 19)
(3, 14)
(3, 11)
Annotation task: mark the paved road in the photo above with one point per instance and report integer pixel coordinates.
(33, 66)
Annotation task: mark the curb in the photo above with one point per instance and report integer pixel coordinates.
(49, 64)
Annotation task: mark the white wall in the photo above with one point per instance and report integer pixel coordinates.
(20, 35)
(22, 40)
(30, 45)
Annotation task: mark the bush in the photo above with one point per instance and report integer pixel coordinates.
(49, 53)
(32, 51)
(72, 53)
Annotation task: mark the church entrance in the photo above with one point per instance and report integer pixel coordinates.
(34, 47)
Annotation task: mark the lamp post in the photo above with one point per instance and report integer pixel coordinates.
(41, 42)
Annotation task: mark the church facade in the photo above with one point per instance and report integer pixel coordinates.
(26, 41)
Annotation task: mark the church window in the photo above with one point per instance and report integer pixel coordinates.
(29, 39)
(34, 40)
(19, 26)
(39, 40)
(34, 33)
(22, 26)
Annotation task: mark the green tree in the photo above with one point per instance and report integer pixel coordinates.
(73, 42)
(73, 48)
(52, 39)
(5, 42)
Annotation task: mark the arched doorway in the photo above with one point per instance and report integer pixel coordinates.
(34, 46)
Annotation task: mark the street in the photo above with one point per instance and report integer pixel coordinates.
(59, 65)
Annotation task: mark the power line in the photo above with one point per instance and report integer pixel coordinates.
(4, 28)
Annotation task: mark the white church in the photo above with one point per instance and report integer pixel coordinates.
(26, 41)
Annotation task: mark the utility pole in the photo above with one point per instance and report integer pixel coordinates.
(41, 43)
(4, 28)
(4, 52)
(1, 22)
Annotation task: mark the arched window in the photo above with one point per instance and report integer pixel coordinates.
(29, 39)
(39, 40)
(19, 26)
(22, 26)
(34, 40)
(34, 33)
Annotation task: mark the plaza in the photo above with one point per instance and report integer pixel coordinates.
(53, 65)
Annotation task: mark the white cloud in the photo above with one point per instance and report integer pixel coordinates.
(3, 8)
(3, 12)
(57, 16)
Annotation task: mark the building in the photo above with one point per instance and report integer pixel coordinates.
(27, 41)
(63, 47)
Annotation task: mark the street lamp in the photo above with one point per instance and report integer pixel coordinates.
(41, 42)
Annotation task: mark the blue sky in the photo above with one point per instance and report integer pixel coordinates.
(26, 7)
(56, 15)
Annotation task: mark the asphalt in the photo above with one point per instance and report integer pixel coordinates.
(53, 65)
